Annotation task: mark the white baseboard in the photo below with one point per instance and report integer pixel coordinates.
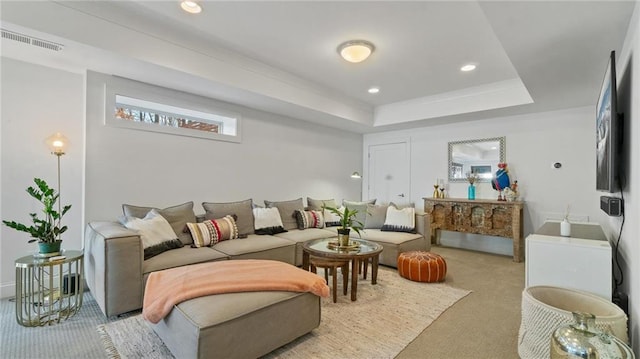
(7, 290)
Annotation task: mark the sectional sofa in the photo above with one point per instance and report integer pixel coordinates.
(116, 268)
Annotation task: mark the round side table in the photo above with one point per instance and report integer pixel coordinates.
(48, 290)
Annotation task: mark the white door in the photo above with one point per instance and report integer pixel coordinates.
(389, 173)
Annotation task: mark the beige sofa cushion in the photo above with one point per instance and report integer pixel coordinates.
(243, 210)
(177, 216)
(376, 215)
(317, 204)
(287, 211)
(181, 257)
(377, 235)
(251, 244)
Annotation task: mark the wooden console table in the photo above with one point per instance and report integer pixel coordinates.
(488, 217)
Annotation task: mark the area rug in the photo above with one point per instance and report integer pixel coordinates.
(385, 319)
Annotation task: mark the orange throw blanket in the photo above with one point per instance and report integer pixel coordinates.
(169, 287)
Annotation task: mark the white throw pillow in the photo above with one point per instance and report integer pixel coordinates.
(331, 219)
(400, 220)
(267, 220)
(155, 232)
(153, 228)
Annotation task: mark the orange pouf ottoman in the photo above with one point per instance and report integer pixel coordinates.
(422, 266)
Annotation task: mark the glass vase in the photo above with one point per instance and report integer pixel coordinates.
(471, 192)
(583, 340)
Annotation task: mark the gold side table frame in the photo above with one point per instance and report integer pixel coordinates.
(48, 291)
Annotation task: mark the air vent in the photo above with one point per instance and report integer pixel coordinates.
(10, 35)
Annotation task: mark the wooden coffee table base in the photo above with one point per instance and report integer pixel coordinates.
(357, 259)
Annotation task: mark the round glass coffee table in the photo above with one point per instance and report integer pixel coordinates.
(359, 251)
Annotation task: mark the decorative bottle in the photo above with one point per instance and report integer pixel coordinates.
(583, 340)
(471, 192)
(565, 228)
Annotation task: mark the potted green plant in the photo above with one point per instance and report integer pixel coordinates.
(46, 231)
(348, 221)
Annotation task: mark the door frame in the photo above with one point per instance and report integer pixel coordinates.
(367, 143)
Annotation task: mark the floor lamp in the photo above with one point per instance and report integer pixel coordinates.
(58, 144)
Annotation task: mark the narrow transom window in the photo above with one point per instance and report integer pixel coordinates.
(140, 106)
(141, 111)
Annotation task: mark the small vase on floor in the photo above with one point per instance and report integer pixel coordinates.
(471, 192)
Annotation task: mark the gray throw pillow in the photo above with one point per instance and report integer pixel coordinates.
(317, 204)
(287, 211)
(375, 218)
(177, 216)
(243, 210)
(361, 207)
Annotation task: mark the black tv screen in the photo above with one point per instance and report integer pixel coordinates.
(607, 132)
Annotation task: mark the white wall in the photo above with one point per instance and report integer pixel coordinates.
(628, 76)
(37, 102)
(278, 159)
(533, 144)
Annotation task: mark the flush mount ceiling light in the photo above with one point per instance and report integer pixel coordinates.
(191, 7)
(373, 90)
(468, 67)
(355, 50)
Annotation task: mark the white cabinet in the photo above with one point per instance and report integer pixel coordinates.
(582, 261)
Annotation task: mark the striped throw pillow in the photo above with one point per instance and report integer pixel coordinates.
(309, 219)
(212, 231)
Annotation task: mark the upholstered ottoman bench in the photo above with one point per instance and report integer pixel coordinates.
(238, 325)
(232, 309)
(421, 266)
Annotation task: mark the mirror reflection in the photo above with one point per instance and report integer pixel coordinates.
(475, 156)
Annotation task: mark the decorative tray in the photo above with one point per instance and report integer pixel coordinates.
(352, 245)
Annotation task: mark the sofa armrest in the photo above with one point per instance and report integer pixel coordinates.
(421, 228)
(420, 218)
(113, 257)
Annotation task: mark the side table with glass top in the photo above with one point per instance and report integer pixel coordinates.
(361, 252)
(48, 290)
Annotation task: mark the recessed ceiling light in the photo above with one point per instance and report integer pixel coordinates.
(355, 50)
(374, 90)
(468, 67)
(191, 7)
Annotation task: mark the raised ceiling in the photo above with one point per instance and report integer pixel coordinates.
(281, 56)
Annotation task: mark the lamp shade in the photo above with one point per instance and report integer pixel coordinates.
(356, 175)
(57, 143)
(355, 50)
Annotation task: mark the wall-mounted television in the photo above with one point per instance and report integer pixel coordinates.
(608, 132)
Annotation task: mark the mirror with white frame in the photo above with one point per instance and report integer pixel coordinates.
(480, 156)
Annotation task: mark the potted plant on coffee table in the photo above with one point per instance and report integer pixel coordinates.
(45, 231)
(348, 221)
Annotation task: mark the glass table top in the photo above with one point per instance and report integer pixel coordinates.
(327, 247)
(32, 260)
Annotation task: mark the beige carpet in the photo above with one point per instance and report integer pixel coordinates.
(384, 320)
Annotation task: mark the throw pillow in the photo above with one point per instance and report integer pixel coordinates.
(361, 207)
(309, 219)
(400, 220)
(317, 204)
(331, 219)
(376, 216)
(287, 211)
(212, 231)
(177, 216)
(155, 232)
(243, 210)
(267, 221)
